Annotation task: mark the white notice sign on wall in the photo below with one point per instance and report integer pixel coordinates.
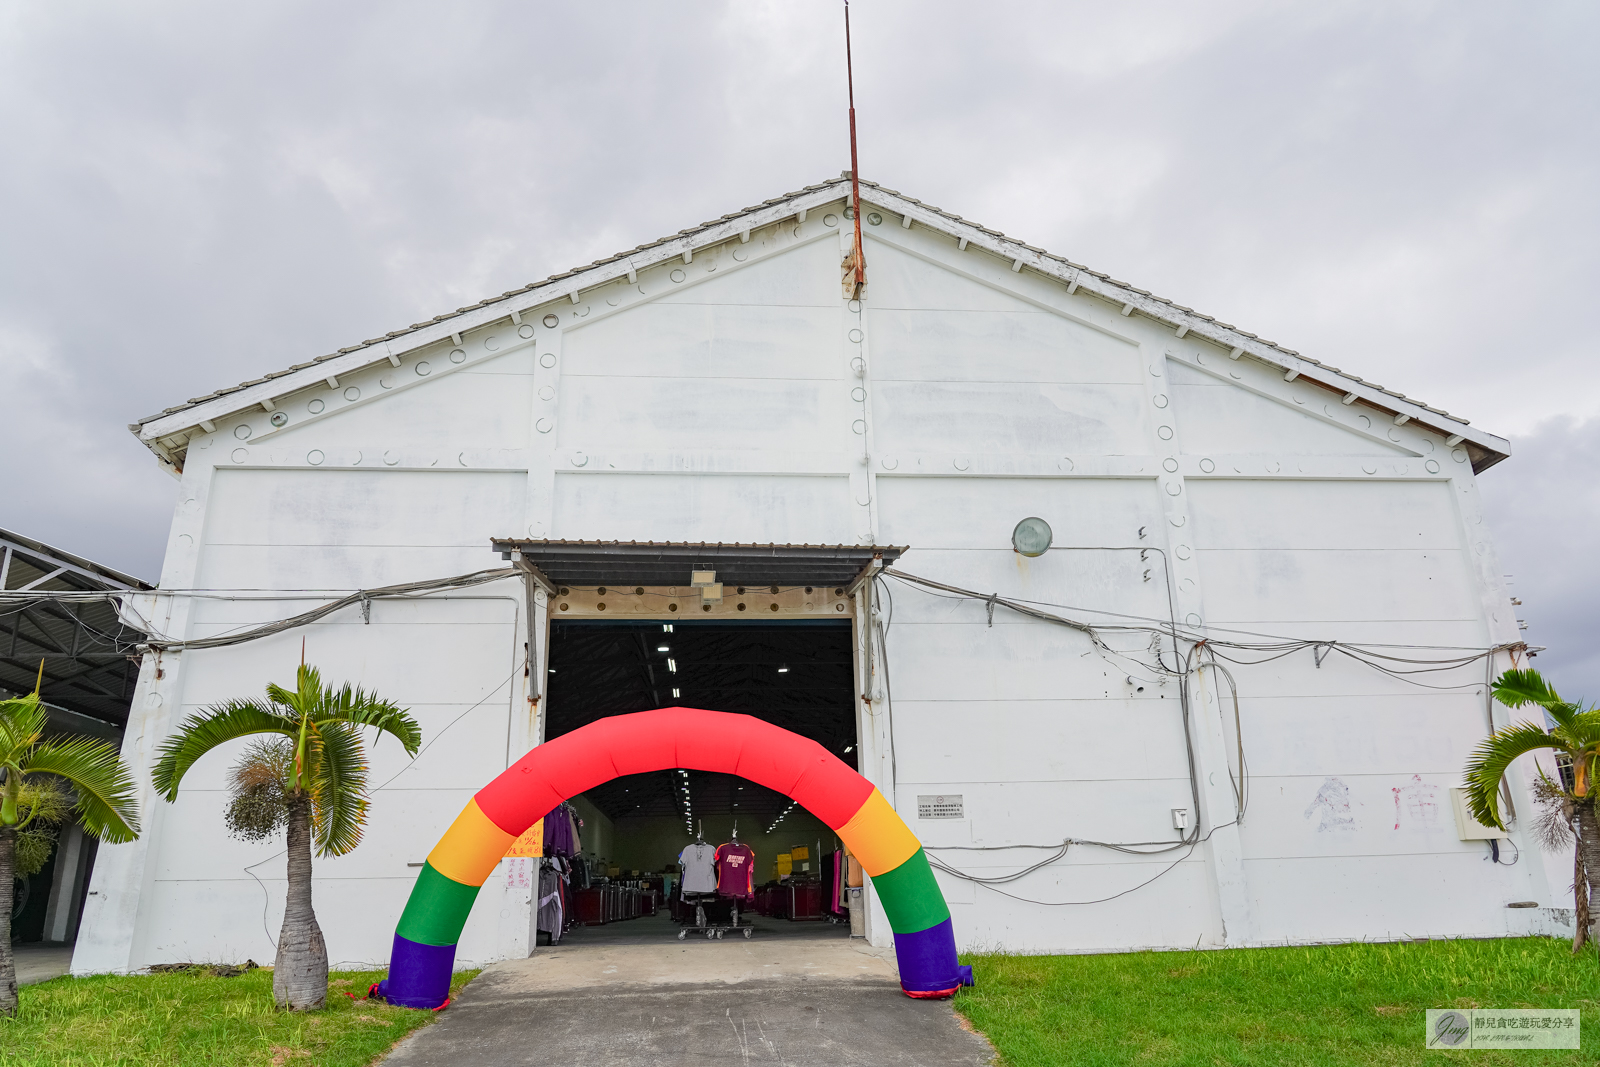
(940, 806)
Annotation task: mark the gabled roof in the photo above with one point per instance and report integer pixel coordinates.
(166, 433)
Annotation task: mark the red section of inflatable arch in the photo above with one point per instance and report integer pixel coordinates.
(609, 748)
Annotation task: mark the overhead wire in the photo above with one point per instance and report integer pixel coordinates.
(151, 640)
(1204, 642)
(1181, 670)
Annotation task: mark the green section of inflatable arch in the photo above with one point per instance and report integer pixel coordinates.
(437, 910)
(910, 895)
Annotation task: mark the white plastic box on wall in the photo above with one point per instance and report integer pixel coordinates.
(1468, 828)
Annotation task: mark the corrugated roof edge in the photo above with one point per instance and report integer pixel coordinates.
(112, 575)
(1491, 448)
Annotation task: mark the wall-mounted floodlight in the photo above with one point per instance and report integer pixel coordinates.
(1031, 537)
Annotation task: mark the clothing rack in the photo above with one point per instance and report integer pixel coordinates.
(713, 931)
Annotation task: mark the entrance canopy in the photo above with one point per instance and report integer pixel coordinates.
(672, 563)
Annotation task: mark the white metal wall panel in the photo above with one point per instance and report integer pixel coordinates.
(1117, 920)
(345, 529)
(1082, 512)
(960, 366)
(700, 507)
(806, 275)
(497, 392)
(985, 346)
(1028, 721)
(1328, 585)
(1404, 564)
(1068, 738)
(1102, 420)
(1382, 898)
(667, 414)
(1237, 514)
(1219, 418)
(901, 280)
(1350, 768)
(707, 342)
(709, 366)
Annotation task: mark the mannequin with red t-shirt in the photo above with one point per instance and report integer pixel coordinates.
(736, 870)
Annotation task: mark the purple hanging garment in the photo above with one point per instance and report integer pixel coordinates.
(558, 838)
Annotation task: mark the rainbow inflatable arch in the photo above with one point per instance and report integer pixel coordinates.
(425, 941)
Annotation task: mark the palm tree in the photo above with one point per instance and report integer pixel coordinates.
(42, 785)
(1566, 813)
(310, 776)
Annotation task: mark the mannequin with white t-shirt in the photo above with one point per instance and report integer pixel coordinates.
(698, 866)
(700, 873)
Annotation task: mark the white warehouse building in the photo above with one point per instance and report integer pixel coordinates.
(1253, 656)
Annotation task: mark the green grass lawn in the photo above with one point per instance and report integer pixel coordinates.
(192, 1018)
(1324, 1006)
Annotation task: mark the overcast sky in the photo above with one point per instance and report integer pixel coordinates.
(199, 193)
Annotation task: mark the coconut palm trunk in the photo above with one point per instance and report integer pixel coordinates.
(300, 973)
(8, 884)
(1588, 847)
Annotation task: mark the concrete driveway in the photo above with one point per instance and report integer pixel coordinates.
(633, 994)
(40, 963)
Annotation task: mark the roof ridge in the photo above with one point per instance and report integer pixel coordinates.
(1076, 275)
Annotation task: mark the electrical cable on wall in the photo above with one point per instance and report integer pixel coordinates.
(1206, 650)
(1203, 653)
(1277, 648)
(1191, 838)
(145, 637)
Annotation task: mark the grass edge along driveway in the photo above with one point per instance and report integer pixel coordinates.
(1325, 1005)
(193, 1018)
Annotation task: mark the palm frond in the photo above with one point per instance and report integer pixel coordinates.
(22, 721)
(339, 789)
(102, 781)
(285, 699)
(368, 709)
(1490, 760)
(1519, 688)
(306, 695)
(1583, 728)
(202, 732)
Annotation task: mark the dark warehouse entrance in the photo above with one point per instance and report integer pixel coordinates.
(797, 674)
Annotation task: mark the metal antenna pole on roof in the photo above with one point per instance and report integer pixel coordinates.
(856, 265)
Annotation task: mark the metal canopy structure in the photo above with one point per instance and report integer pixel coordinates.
(797, 675)
(586, 563)
(82, 643)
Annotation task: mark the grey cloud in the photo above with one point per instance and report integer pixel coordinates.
(1544, 513)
